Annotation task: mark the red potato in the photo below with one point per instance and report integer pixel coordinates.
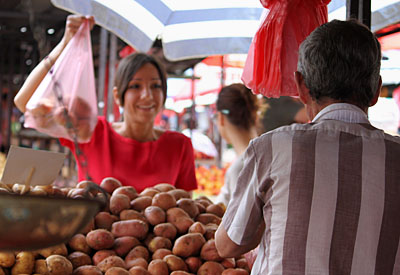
(164, 200)
(175, 263)
(164, 187)
(138, 252)
(179, 194)
(119, 202)
(155, 215)
(149, 191)
(158, 267)
(7, 259)
(78, 259)
(197, 227)
(180, 272)
(100, 239)
(60, 249)
(167, 230)
(141, 202)
(215, 209)
(206, 218)
(123, 245)
(211, 228)
(204, 202)
(201, 208)
(126, 190)
(101, 255)
(78, 243)
(87, 270)
(112, 261)
(130, 214)
(58, 265)
(138, 270)
(188, 245)
(136, 262)
(148, 239)
(210, 268)
(209, 252)
(242, 263)
(133, 228)
(40, 267)
(228, 262)
(117, 271)
(235, 271)
(109, 184)
(104, 220)
(193, 264)
(159, 242)
(159, 254)
(180, 219)
(189, 206)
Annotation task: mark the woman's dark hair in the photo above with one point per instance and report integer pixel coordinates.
(129, 66)
(239, 105)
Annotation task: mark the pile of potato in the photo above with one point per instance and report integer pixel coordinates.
(160, 231)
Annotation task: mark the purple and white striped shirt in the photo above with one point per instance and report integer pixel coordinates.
(329, 194)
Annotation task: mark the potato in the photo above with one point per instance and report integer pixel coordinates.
(193, 264)
(180, 219)
(159, 254)
(109, 184)
(130, 214)
(126, 190)
(59, 265)
(78, 243)
(138, 270)
(2, 272)
(123, 245)
(215, 209)
(111, 261)
(211, 228)
(189, 206)
(235, 271)
(201, 208)
(210, 268)
(41, 267)
(206, 218)
(158, 267)
(99, 239)
(159, 242)
(141, 202)
(133, 228)
(117, 271)
(148, 239)
(179, 193)
(209, 252)
(175, 263)
(119, 202)
(228, 262)
(167, 230)
(197, 227)
(78, 193)
(78, 259)
(242, 263)
(101, 255)
(149, 191)
(204, 199)
(89, 227)
(104, 220)
(7, 259)
(188, 245)
(155, 215)
(180, 272)
(60, 249)
(87, 270)
(164, 200)
(138, 252)
(164, 187)
(136, 262)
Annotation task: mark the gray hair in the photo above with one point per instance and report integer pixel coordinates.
(341, 60)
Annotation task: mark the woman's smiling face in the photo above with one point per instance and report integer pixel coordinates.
(144, 97)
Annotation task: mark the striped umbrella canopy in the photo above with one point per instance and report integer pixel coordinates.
(187, 28)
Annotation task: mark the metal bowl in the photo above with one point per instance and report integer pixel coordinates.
(29, 222)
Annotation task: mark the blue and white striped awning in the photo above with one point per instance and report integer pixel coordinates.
(187, 28)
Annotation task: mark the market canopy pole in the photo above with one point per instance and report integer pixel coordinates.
(359, 9)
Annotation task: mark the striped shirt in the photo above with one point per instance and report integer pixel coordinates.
(329, 194)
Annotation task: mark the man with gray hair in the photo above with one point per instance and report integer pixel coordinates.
(322, 197)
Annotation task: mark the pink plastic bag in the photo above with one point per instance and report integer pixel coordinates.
(272, 57)
(67, 94)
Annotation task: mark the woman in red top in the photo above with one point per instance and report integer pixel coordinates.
(133, 151)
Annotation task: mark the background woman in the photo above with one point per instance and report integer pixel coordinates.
(132, 151)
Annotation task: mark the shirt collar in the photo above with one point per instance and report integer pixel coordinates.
(343, 112)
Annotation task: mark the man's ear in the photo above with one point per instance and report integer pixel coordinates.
(377, 93)
(116, 97)
(302, 90)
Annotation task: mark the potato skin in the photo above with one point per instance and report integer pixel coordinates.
(54, 250)
(167, 230)
(111, 261)
(188, 245)
(41, 267)
(197, 227)
(87, 270)
(123, 245)
(206, 218)
(109, 184)
(24, 263)
(117, 271)
(158, 267)
(235, 271)
(164, 187)
(209, 252)
(126, 190)
(164, 200)
(136, 262)
(149, 191)
(175, 263)
(104, 220)
(101, 255)
(193, 264)
(180, 219)
(59, 265)
(141, 202)
(210, 268)
(159, 242)
(99, 239)
(130, 214)
(189, 206)
(138, 270)
(138, 252)
(7, 259)
(215, 209)
(119, 202)
(78, 259)
(179, 193)
(133, 228)
(155, 215)
(78, 243)
(159, 254)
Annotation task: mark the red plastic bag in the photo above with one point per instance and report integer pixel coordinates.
(67, 94)
(272, 57)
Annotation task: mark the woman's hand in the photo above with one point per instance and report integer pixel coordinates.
(72, 25)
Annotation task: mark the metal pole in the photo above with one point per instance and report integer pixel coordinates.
(102, 70)
(365, 12)
(111, 73)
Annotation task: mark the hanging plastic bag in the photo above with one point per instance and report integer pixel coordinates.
(272, 57)
(65, 104)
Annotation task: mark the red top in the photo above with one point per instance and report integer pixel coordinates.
(139, 164)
